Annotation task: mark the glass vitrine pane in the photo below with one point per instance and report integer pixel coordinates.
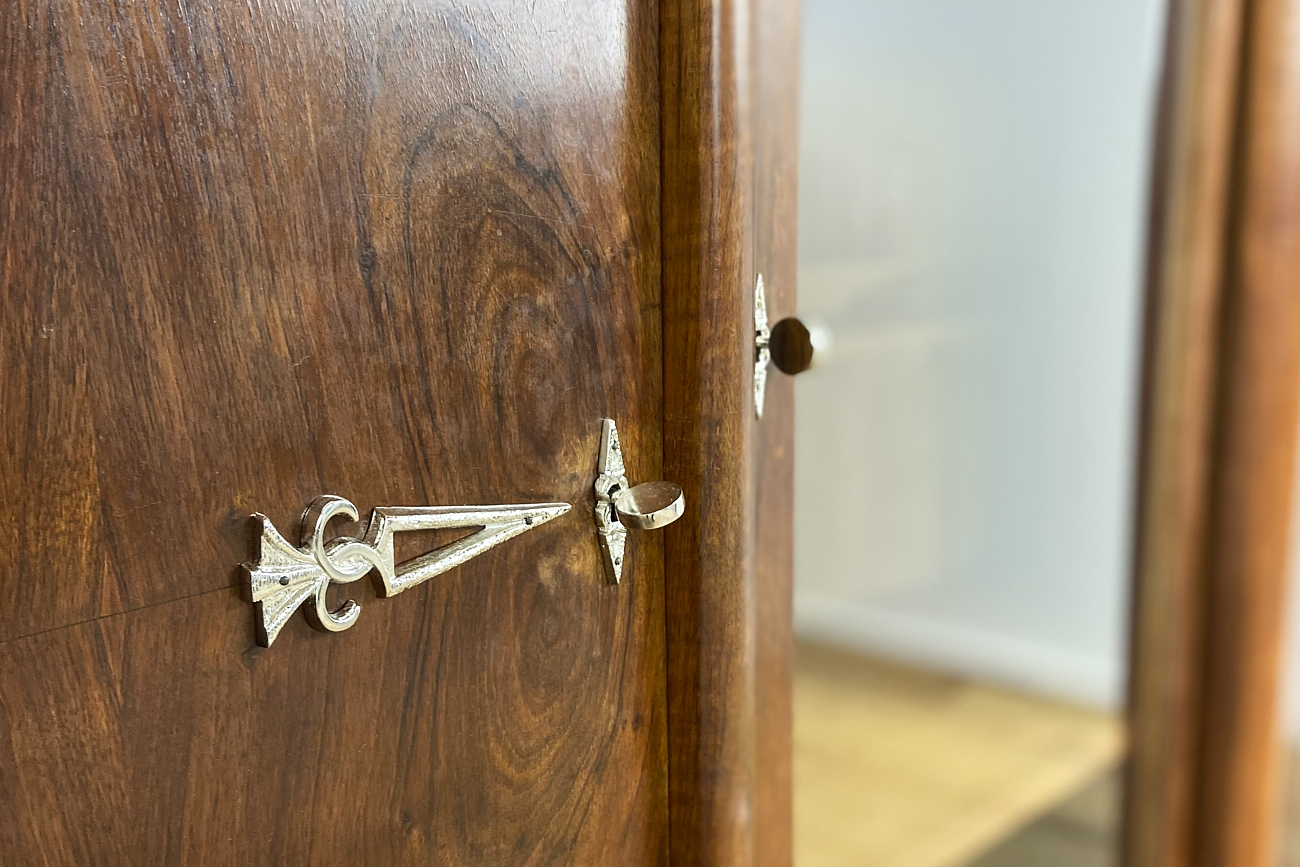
(973, 193)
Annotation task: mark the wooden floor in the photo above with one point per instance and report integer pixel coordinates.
(896, 767)
(1080, 832)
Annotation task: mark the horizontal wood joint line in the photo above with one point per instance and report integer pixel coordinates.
(124, 613)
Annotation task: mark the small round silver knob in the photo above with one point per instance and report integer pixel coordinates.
(650, 505)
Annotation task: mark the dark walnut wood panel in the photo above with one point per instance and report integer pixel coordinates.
(252, 253)
(729, 84)
(708, 408)
(421, 736)
(405, 254)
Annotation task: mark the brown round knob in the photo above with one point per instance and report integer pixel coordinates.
(792, 346)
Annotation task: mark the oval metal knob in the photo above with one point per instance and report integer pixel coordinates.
(650, 505)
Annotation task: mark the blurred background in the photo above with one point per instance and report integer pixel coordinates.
(973, 195)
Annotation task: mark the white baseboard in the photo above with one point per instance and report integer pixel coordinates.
(962, 650)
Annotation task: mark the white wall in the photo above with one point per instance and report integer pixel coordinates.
(973, 186)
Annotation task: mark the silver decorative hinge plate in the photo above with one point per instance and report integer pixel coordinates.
(612, 478)
(762, 346)
(619, 507)
(284, 578)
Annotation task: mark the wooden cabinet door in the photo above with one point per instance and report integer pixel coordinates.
(255, 252)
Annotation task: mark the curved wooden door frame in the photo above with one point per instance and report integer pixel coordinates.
(1221, 389)
(1220, 399)
(729, 80)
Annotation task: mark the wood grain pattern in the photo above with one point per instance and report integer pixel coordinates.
(1253, 471)
(708, 272)
(255, 252)
(1223, 397)
(1186, 251)
(728, 128)
(162, 737)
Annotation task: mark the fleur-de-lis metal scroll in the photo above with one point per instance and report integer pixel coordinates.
(283, 578)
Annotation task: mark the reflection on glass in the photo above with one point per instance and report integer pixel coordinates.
(972, 222)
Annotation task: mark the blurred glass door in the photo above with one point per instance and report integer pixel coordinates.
(973, 193)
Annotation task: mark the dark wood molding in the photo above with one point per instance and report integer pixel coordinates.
(709, 580)
(728, 135)
(1221, 395)
(1189, 202)
(1252, 476)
